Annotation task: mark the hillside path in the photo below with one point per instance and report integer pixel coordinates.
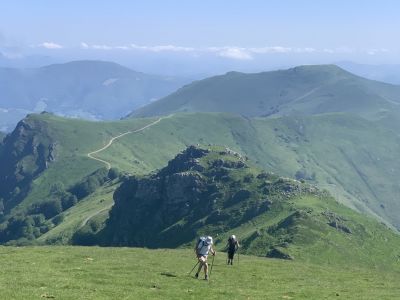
(84, 222)
(111, 141)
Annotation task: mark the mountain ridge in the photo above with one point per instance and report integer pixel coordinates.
(86, 89)
(311, 89)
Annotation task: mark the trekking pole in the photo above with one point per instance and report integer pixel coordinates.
(194, 267)
(212, 263)
(238, 257)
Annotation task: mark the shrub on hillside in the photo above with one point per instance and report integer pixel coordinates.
(48, 208)
(84, 237)
(304, 175)
(58, 219)
(57, 188)
(90, 183)
(68, 200)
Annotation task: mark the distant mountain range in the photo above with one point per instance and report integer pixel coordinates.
(385, 73)
(304, 90)
(86, 89)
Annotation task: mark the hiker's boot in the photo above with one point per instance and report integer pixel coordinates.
(196, 275)
(206, 277)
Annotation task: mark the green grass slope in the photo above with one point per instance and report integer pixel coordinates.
(214, 191)
(92, 211)
(129, 273)
(75, 139)
(301, 90)
(355, 159)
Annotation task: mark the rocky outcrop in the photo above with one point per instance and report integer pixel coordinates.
(26, 152)
(278, 253)
(185, 191)
(187, 160)
(336, 221)
(199, 188)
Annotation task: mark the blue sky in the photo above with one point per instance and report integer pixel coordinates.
(229, 33)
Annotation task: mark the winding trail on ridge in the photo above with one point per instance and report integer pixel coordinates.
(111, 141)
(108, 164)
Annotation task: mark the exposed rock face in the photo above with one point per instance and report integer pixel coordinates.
(198, 189)
(186, 161)
(26, 152)
(229, 164)
(187, 189)
(278, 253)
(337, 222)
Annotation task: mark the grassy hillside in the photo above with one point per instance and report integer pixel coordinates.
(87, 89)
(214, 191)
(355, 159)
(34, 177)
(129, 273)
(75, 139)
(91, 211)
(301, 90)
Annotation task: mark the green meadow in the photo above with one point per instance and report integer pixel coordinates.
(131, 273)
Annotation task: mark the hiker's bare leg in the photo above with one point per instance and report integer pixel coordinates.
(202, 261)
(206, 268)
(200, 266)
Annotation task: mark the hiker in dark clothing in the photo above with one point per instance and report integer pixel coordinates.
(233, 246)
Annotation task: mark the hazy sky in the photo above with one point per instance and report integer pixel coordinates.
(191, 34)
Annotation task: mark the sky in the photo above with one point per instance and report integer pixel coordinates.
(190, 37)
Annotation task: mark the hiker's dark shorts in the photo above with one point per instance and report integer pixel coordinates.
(231, 254)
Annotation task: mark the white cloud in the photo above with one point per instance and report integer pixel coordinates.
(235, 53)
(274, 49)
(122, 47)
(102, 47)
(344, 49)
(327, 50)
(305, 50)
(280, 49)
(232, 52)
(163, 48)
(377, 51)
(339, 50)
(50, 45)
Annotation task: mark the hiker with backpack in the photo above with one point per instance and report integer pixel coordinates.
(202, 249)
(233, 247)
